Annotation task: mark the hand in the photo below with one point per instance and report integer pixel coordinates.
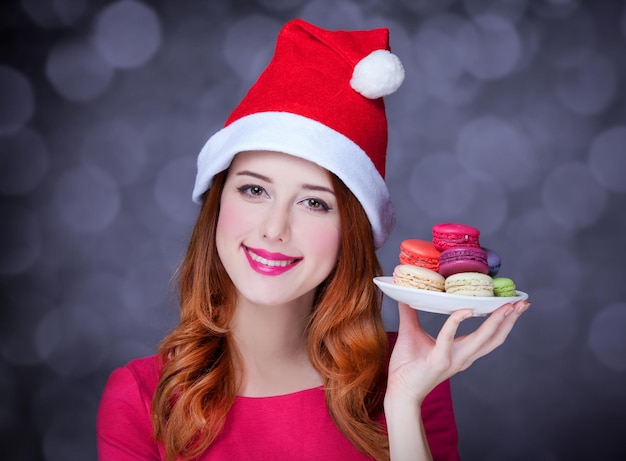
(419, 362)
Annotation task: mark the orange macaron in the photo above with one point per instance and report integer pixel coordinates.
(421, 253)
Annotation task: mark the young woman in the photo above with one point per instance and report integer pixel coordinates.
(280, 352)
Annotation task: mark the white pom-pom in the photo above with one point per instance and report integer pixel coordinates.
(378, 74)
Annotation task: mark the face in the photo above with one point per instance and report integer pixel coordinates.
(278, 231)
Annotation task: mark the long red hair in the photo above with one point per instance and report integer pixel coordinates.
(347, 343)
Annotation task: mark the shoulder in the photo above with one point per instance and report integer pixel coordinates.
(143, 371)
(136, 381)
(146, 370)
(124, 429)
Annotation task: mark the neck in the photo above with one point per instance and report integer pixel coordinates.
(272, 345)
(271, 331)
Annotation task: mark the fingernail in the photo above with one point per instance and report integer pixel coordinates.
(522, 308)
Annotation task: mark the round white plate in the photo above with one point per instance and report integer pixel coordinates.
(443, 303)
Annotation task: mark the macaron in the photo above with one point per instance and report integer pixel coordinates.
(504, 286)
(418, 277)
(469, 284)
(420, 253)
(448, 235)
(493, 261)
(463, 259)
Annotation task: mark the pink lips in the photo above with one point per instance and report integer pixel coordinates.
(268, 263)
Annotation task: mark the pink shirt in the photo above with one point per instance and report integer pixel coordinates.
(287, 427)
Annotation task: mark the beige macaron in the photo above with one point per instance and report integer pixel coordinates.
(469, 284)
(418, 277)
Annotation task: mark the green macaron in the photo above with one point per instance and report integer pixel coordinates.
(504, 287)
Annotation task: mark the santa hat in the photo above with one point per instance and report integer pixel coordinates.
(320, 99)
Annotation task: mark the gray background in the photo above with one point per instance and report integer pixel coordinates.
(512, 118)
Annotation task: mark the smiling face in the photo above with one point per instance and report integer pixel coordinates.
(278, 231)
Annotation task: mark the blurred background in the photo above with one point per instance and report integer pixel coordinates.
(512, 118)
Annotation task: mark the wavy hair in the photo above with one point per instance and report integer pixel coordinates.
(347, 343)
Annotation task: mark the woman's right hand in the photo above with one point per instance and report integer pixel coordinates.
(419, 362)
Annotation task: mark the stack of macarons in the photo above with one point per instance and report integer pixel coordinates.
(452, 261)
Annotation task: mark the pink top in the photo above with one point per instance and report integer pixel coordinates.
(294, 426)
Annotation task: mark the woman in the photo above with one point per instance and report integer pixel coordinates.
(280, 352)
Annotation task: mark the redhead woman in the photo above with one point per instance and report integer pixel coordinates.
(280, 351)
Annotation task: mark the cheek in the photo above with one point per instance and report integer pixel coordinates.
(233, 218)
(231, 223)
(326, 241)
(227, 220)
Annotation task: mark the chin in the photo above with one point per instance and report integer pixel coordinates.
(275, 297)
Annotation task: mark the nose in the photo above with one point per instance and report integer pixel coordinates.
(276, 225)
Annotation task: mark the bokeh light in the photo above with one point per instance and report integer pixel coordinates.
(8, 392)
(490, 149)
(18, 100)
(572, 196)
(172, 187)
(72, 340)
(549, 331)
(441, 199)
(87, 199)
(441, 63)
(589, 87)
(116, 148)
(606, 336)
(76, 70)
(281, 5)
(24, 159)
(249, 45)
(54, 13)
(17, 332)
(513, 10)
(127, 34)
(489, 47)
(21, 240)
(607, 160)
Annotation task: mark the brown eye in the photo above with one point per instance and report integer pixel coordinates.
(251, 190)
(316, 205)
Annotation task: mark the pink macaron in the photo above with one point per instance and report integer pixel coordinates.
(448, 235)
(463, 259)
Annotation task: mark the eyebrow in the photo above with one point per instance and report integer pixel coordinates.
(312, 187)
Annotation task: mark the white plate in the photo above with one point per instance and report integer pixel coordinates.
(443, 303)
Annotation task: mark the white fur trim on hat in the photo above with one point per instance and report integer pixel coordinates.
(378, 74)
(305, 138)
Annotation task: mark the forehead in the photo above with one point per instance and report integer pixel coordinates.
(278, 163)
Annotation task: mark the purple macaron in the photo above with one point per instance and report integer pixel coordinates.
(493, 261)
(463, 259)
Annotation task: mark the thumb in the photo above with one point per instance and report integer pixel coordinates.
(408, 319)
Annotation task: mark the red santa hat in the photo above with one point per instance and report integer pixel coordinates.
(320, 99)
